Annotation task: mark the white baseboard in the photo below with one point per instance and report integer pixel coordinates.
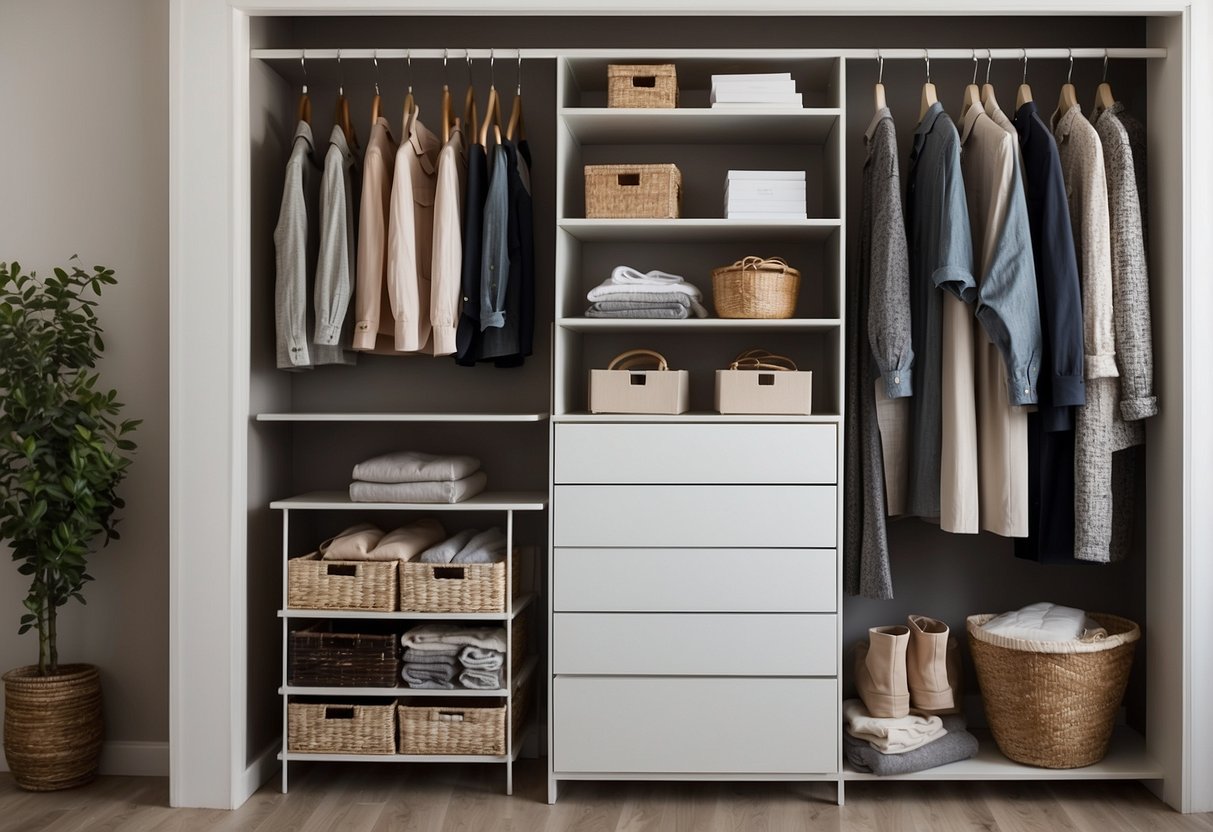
(263, 767)
(130, 759)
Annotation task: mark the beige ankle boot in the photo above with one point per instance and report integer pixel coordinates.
(927, 665)
(880, 672)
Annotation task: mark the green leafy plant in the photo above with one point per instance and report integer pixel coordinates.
(63, 449)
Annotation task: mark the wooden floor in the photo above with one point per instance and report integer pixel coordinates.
(366, 798)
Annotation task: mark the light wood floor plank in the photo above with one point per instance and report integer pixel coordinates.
(1024, 807)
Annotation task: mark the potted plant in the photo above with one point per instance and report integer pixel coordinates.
(63, 453)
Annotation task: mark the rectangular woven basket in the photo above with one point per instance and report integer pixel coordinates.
(642, 85)
(633, 191)
(342, 654)
(316, 584)
(324, 728)
(455, 587)
(460, 727)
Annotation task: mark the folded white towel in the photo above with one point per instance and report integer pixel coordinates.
(890, 736)
(626, 274)
(486, 547)
(613, 291)
(1041, 622)
(414, 466)
(442, 636)
(447, 549)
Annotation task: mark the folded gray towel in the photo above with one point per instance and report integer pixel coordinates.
(675, 313)
(447, 549)
(446, 491)
(428, 676)
(486, 547)
(642, 299)
(625, 305)
(414, 466)
(481, 679)
(956, 744)
(447, 656)
(441, 637)
(478, 658)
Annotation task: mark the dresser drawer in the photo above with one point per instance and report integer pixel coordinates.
(695, 580)
(791, 516)
(691, 644)
(697, 453)
(694, 726)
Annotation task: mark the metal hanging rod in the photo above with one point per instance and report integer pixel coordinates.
(1008, 53)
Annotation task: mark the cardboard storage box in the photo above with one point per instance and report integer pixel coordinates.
(622, 388)
(761, 383)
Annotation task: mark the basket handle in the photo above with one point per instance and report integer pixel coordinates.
(761, 263)
(339, 712)
(758, 359)
(632, 359)
(450, 716)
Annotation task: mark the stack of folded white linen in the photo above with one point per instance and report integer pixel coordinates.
(468, 546)
(365, 541)
(415, 477)
(905, 744)
(435, 655)
(631, 293)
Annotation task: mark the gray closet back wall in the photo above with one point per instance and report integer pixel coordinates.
(943, 575)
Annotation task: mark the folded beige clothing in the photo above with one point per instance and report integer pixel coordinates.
(414, 466)
(419, 492)
(352, 544)
(887, 735)
(408, 541)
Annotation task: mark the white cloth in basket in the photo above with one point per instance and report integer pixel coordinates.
(1046, 622)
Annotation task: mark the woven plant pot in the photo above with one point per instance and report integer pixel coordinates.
(53, 726)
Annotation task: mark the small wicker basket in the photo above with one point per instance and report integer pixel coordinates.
(455, 587)
(754, 287)
(461, 726)
(639, 85)
(323, 728)
(1053, 704)
(344, 654)
(633, 191)
(317, 584)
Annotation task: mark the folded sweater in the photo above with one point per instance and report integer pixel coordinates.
(448, 491)
(625, 291)
(400, 544)
(414, 466)
(486, 547)
(956, 744)
(443, 636)
(445, 551)
(353, 543)
(890, 736)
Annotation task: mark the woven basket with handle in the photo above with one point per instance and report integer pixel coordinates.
(1053, 704)
(756, 287)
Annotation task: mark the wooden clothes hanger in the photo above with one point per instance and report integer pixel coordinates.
(1024, 94)
(304, 110)
(972, 94)
(492, 110)
(1068, 98)
(988, 99)
(1103, 93)
(410, 103)
(446, 104)
(516, 124)
(343, 109)
(879, 91)
(470, 121)
(929, 96)
(376, 102)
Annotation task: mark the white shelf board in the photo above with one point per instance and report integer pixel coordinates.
(700, 125)
(695, 230)
(699, 324)
(1127, 759)
(401, 417)
(696, 417)
(520, 603)
(521, 676)
(485, 501)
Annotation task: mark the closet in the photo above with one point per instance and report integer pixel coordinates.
(688, 569)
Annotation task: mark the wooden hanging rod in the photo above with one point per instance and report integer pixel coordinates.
(900, 53)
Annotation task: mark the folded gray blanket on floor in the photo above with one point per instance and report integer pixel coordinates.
(957, 744)
(414, 466)
(450, 656)
(486, 547)
(481, 679)
(675, 313)
(478, 658)
(447, 549)
(446, 491)
(429, 676)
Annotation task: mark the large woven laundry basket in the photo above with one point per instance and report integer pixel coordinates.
(1053, 704)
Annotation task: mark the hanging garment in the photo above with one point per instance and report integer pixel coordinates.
(941, 257)
(1009, 343)
(371, 302)
(495, 256)
(1137, 141)
(295, 248)
(1060, 387)
(468, 337)
(445, 271)
(335, 266)
(1082, 168)
(520, 292)
(411, 236)
(879, 354)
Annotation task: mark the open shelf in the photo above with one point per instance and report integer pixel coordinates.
(1127, 759)
(698, 229)
(485, 501)
(520, 604)
(700, 125)
(521, 676)
(698, 324)
(401, 417)
(695, 417)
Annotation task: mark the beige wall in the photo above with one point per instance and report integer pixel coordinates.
(84, 169)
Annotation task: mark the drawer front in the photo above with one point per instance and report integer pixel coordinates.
(691, 644)
(786, 516)
(697, 453)
(695, 580)
(695, 726)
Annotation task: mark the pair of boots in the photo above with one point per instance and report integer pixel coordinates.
(913, 666)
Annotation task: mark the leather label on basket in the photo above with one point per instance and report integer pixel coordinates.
(450, 573)
(644, 80)
(332, 712)
(766, 379)
(638, 379)
(344, 570)
(629, 180)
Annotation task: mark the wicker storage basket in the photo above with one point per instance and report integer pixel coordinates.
(755, 287)
(455, 587)
(1053, 704)
(640, 85)
(633, 191)
(344, 654)
(316, 584)
(460, 726)
(323, 728)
